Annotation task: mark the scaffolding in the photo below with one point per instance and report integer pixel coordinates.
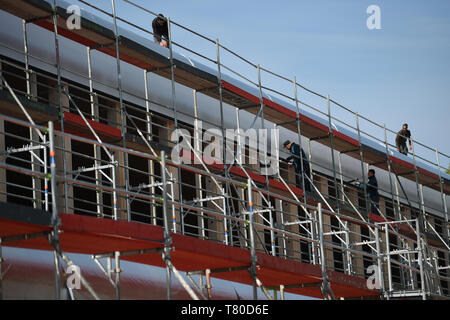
(122, 153)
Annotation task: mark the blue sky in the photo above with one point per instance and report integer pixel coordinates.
(398, 74)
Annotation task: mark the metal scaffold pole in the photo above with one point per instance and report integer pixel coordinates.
(326, 289)
(54, 237)
(330, 128)
(151, 164)
(35, 182)
(94, 115)
(61, 110)
(419, 194)
(420, 259)
(222, 119)
(167, 236)
(299, 135)
(117, 271)
(174, 106)
(361, 157)
(122, 112)
(252, 240)
(226, 199)
(388, 161)
(380, 259)
(263, 137)
(198, 146)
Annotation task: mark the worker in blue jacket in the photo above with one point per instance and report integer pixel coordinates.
(372, 192)
(297, 153)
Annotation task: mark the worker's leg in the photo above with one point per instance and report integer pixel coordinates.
(404, 149)
(374, 206)
(298, 179)
(307, 184)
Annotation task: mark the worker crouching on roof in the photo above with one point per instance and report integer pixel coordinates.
(372, 192)
(400, 140)
(160, 30)
(297, 153)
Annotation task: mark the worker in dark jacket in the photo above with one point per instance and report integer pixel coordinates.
(372, 192)
(160, 30)
(297, 153)
(400, 140)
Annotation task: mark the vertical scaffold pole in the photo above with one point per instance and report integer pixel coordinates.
(397, 195)
(299, 134)
(147, 107)
(117, 272)
(326, 290)
(361, 157)
(97, 152)
(420, 259)
(175, 115)
(198, 178)
(225, 220)
(444, 200)
(252, 240)
(222, 119)
(310, 161)
(45, 173)
(61, 111)
(167, 236)
(239, 158)
(35, 182)
(418, 186)
(172, 196)
(55, 217)
(379, 261)
(122, 111)
(113, 177)
(336, 189)
(151, 163)
(388, 257)
(348, 254)
(263, 131)
(226, 206)
(321, 239)
(341, 176)
(272, 234)
(388, 161)
(314, 234)
(25, 47)
(91, 86)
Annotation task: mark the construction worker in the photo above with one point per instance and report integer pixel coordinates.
(372, 192)
(297, 152)
(160, 30)
(400, 140)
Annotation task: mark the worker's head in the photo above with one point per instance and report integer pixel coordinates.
(371, 173)
(161, 19)
(405, 126)
(287, 144)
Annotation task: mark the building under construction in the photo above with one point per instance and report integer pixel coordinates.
(87, 117)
